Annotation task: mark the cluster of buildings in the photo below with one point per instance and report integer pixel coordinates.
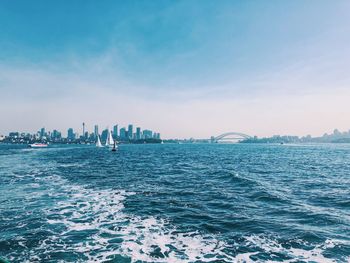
(128, 134)
(123, 135)
(335, 137)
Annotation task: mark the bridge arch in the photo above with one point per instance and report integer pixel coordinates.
(230, 136)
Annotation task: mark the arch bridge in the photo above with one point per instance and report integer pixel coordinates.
(230, 136)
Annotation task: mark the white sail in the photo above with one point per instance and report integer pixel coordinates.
(112, 140)
(106, 144)
(98, 142)
(109, 141)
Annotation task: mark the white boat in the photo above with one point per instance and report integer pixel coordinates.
(38, 145)
(98, 142)
(109, 141)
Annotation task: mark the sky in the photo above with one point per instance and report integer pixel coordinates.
(183, 68)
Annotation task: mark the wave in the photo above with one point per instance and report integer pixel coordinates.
(88, 225)
(91, 225)
(102, 231)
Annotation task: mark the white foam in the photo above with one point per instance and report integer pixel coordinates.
(270, 245)
(102, 211)
(99, 219)
(244, 257)
(143, 235)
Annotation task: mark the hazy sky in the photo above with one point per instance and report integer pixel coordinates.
(184, 68)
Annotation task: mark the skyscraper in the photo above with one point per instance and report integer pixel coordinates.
(147, 134)
(83, 128)
(70, 134)
(96, 130)
(56, 134)
(122, 133)
(138, 133)
(104, 135)
(156, 135)
(115, 131)
(130, 131)
(42, 132)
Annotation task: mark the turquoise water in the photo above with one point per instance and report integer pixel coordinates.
(175, 203)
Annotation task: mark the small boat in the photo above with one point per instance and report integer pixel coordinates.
(98, 142)
(38, 145)
(114, 147)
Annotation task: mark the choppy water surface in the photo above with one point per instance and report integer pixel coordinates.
(175, 203)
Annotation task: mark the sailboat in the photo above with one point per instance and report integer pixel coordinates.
(98, 142)
(114, 149)
(109, 141)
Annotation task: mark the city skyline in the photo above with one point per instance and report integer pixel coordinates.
(84, 136)
(116, 131)
(187, 68)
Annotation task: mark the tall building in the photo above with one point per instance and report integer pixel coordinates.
(42, 132)
(115, 131)
(147, 134)
(156, 135)
(96, 130)
(130, 131)
(138, 133)
(56, 134)
(122, 133)
(104, 135)
(70, 134)
(83, 128)
(92, 136)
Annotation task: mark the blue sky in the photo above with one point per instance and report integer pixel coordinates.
(185, 68)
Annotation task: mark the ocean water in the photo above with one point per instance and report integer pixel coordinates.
(175, 203)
